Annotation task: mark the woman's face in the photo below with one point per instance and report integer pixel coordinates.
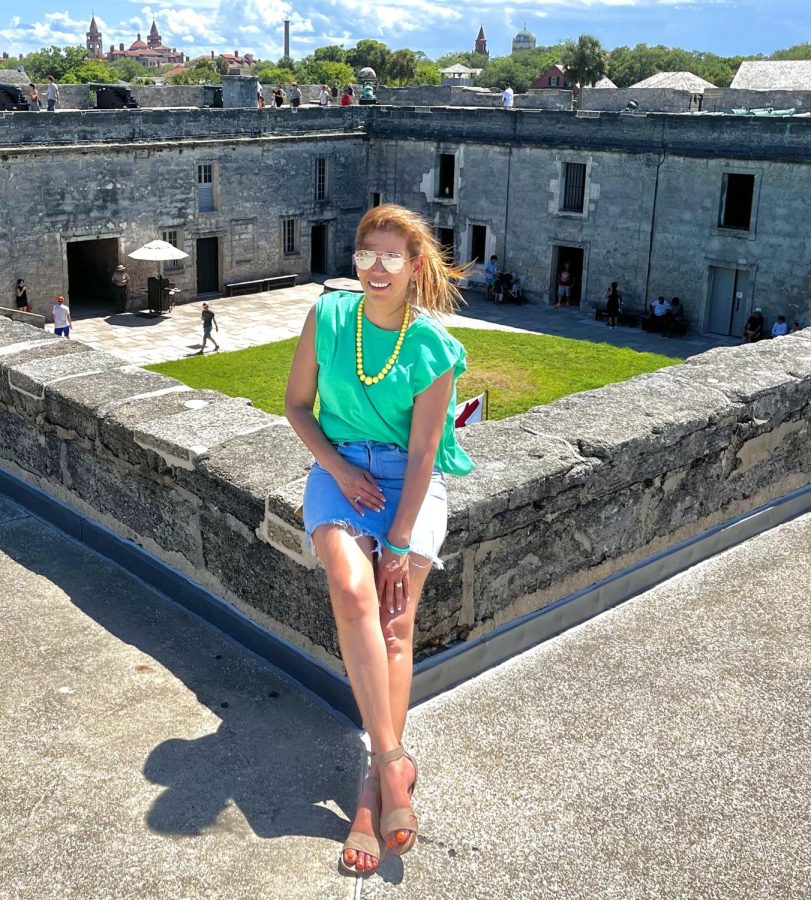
(377, 282)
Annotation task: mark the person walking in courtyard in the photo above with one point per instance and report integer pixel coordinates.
(61, 318)
(375, 504)
(33, 98)
(52, 94)
(21, 296)
(565, 285)
(209, 322)
(613, 304)
(121, 287)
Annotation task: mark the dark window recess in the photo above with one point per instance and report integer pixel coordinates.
(736, 201)
(320, 178)
(574, 187)
(446, 241)
(478, 243)
(447, 173)
(375, 199)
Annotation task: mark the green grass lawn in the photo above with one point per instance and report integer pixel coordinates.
(520, 370)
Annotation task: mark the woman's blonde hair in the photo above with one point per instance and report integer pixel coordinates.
(433, 290)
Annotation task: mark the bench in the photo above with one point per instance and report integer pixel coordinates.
(624, 318)
(254, 285)
(656, 324)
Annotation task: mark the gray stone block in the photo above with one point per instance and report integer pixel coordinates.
(80, 404)
(183, 437)
(30, 351)
(239, 476)
(266, 579)
(24, 445)
(150, 508)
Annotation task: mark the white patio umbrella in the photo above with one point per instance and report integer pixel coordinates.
(159, 251)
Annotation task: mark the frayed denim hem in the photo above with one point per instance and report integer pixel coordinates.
(356, 533)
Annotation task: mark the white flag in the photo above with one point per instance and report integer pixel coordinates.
(470, 412)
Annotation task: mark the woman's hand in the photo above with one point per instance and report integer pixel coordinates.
(392, 580)
(359, 487)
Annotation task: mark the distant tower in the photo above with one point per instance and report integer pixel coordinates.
(93, 40)
(286, 38)
(481, 43)
(154, 39)
(524, 40)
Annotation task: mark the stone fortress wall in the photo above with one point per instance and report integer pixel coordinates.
(562, 496)
(650, 217)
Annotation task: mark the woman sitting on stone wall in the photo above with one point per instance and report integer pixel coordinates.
(375, 505)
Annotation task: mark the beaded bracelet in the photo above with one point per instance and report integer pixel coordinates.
(400, 551)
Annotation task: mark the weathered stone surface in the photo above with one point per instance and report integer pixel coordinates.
(269, 581)
(29, 379)
(25, 446)
(240, 474)
(79, 404)
(184, 436)
(146, 506)
(29, 351)
(441, 616)
(123, 418)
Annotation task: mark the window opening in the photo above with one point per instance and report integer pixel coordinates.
(447, 174)
(574, 187)
(736, 201)
(478, 243)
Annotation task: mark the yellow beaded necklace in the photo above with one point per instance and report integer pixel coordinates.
(374, 379)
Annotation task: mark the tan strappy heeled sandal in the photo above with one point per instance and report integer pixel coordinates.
(363, 843)
(402, 818)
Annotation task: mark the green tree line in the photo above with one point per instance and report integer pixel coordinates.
(585, 61)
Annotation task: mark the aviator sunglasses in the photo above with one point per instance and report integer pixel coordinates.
(392, 262)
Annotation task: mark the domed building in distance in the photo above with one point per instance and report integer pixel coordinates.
(524, 40)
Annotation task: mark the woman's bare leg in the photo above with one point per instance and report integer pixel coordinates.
(350, 576)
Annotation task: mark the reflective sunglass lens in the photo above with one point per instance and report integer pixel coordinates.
(365, 259)
(392, 262)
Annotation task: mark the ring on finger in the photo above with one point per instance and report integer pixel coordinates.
(398, 584)
(357, 499)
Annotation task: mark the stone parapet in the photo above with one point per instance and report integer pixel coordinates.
(563, 496)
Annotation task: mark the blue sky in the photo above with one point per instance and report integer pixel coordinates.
(725, 27)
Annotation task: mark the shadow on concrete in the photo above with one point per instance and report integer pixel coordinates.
(275, 755)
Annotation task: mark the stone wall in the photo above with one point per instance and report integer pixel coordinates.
(453, 95)
(649, 99)
(562, 496)
(719, 99)
(130, 193)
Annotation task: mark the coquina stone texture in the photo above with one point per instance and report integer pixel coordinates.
(561, 497)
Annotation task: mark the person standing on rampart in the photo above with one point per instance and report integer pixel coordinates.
(52, 94)
(507, 98)
(295, 96)
(33, 98)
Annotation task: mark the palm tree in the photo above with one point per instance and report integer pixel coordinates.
(585, 61)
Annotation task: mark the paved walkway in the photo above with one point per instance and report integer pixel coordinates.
(660, 751)
(254, 319)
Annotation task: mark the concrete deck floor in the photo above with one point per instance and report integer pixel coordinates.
(276, 315)
(660, 751)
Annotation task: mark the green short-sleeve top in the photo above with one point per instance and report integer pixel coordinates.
(352, 411)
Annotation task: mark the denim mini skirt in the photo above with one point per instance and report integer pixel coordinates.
(325, 504)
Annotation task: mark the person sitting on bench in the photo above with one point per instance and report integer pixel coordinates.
(674, 320)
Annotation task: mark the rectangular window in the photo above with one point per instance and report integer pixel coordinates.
(320, 179)
(574, 187)
(376, 199)
(737, 192)
(445, 237)
(478, 243)
(553, 81)
(290, 236)
(172, 236)
(447, 175)
(205, 187)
